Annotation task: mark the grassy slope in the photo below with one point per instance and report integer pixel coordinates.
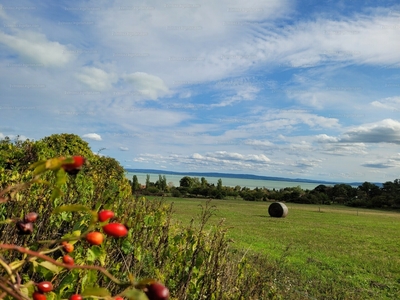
(356, 247)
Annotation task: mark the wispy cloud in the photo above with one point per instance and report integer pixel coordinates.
(92, 136)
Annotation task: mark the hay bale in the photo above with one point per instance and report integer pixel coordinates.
(278, 210)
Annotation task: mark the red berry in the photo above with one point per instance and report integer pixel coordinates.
(104, 215)
(45, 286)
(94, 238)
(24, 228)
(115, 229)
(118, 298)
(74, 167)
(38, 296)
(30, 217)
(76, 297)
(157, 291)
(68, 247)
(68, 260)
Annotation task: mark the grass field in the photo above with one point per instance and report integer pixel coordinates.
(359, 248)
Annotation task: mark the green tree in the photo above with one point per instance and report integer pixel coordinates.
(147, 181)
(135, 184)
(219, 184)
(161, 182)
(186, 182)
(203, 182)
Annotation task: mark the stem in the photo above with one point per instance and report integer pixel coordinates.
(69, 267)
(11, 292)
(8, 269)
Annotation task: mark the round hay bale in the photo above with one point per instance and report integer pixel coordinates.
(278, 210)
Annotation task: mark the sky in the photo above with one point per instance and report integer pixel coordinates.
(297, 89)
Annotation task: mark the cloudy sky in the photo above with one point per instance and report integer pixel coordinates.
(307, 89)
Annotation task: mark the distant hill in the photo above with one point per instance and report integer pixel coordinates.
(242, 176)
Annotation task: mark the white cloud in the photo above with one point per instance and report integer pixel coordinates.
(35, 47)
(243, 94)
(92, 136)
(391, 103)
(259, 143)
(323, 138)
(150, 86)
(385, 131)
(124, 148)
(230, 160)
(96, 78)
(345, 149)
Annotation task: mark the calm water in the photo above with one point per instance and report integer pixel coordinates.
(250, 183)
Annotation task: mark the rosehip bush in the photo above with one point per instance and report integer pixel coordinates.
(44, 256)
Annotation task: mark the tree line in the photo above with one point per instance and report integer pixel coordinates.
(367, 194)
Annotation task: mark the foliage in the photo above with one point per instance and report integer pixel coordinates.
(193, 261)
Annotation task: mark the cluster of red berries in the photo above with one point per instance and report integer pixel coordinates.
(111, 229)
(42, 288)
(25, 226)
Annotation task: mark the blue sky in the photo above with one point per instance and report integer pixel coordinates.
(307, 89)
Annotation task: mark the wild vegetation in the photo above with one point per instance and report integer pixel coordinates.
(199, 258)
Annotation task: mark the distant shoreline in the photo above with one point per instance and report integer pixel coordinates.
(242, 176)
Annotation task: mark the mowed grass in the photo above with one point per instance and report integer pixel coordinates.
(359, 248)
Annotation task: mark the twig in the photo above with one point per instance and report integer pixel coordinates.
(69, 267)
(8, 269)
(11, 292)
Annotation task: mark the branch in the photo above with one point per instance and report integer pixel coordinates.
(69, 267)
(11, 292)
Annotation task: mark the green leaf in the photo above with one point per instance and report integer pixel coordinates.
(75, 234)
(53, 163)
(73, 207)
(61, 177)
(90, 278)
(144, 283)
(48, 265)
(38, 163)
(134, 294)
(27, 288)
(68, 282)
(40, 169)
(96, 291)
(56, 193)
(51, 296)
(91, 255)
(127, 247)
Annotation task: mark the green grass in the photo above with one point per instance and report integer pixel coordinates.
(356, 247)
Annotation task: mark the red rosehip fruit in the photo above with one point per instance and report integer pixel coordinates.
(45, 286)
(30, 217)
(118, 298)
(76, 297)
(95, 238)
(67, 247)
(157, 291)
(68, 260)
(38, 296)
(24, 228)
(105, 215)
(115, 229)
(74, 167)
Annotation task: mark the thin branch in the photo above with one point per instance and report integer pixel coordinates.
(69, 267)
(11, 292)
(7, 268)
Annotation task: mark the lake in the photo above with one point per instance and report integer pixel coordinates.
(250, 183)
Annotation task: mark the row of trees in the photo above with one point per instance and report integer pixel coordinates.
(366, 195)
